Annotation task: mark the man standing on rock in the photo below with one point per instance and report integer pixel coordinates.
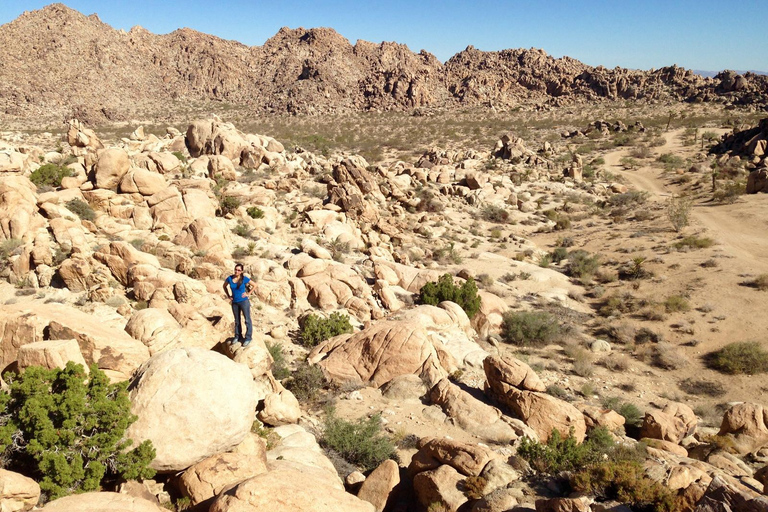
(238, 288)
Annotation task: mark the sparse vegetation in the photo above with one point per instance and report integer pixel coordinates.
(228, 205)
(679, 212)
(255, 212)
(81, 209)
(582, 265)
(67, 427)
(743, 357)
(49, 175)
(694, 242)
(315, 329)
(306, 382)
(495, 214)
(529, 328)
(360, 442)
(444, 289)
(279, 364)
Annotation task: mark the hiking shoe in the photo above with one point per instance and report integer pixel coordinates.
(246, 342)
(232, 341)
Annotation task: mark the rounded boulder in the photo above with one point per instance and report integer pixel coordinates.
(192, 404)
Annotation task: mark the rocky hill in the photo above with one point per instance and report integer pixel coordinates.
(59, 61)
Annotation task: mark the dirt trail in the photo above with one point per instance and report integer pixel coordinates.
(739, 228)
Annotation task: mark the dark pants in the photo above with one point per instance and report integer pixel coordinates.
(243, 307)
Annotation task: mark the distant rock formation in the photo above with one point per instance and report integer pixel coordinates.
(57, 60)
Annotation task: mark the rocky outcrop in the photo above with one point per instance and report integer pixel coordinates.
(102, 502)
(186, 406)
(17, 492)
(304, 71)
(542, 412)
(381, 352)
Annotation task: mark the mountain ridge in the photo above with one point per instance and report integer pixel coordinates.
(59, 61)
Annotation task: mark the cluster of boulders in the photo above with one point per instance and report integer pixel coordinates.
(749, 147)
(136, 290)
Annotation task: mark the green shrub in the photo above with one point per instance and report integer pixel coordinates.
(694, 242)
(599, 467)
(255, 212)
(444, 289)
(495, 214)
(228, 204)
(279, 364)
(181, 156)
(676, 303)
(632, 415)
(81, 209)
(69, 426)
(306, 382)
(679, 212)
(760, 282)
(670, 161)
(529, 328)
(582, 265)
(559, 254)
(633, 197)
(565, 453)
(361, 442)
(49, 175)
(743, 357)
(8, 247)
(730, 192)
(625, 481)
(315, 328)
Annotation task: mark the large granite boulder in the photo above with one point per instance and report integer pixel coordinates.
(102, 502)
(192, 404)
(17, 492)
(288, 488)
(381, 352)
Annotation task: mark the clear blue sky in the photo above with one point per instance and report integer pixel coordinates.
(641, 34)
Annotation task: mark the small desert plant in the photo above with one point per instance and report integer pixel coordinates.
(495, 214)
(279, 365)
(582, 265)
(255, 212)
(49, 175)
(565, 453)
(70, 427)
(444, 289)
(361, 442)
(529, 328)
(8, 247)
(676, 303)
(559, 254)
(633, 197)
(694, 242)
(729, 192)
(242, 230)
(632, 415)
(228, 204)
(702, 387)
(743, 357)
(315, 329)
(474, 487)
(306, 382)
(81, 209)
(181, 156)
(760, 282)
(679, 212)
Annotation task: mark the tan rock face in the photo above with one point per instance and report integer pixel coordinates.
(748, 424)
(381, 352)
(50, 354)
(17, 492)
(112, 165)
(470, 413)
(186, 406)
(280, 408)
(563, 505)
(440, 485)
(102, 502)
(660, 425)
(155, 328)
(109, 347)
(142, 181)
(378, 487)
(541, 412)
(209, 477)
(18, 208)
(468, 459)
(288, 489)
(513, 372)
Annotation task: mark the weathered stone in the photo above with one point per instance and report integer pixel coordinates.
(378, 487)
(50, 354)
(102, 502)
(17, 492)
(186, 406)
(209, 477)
